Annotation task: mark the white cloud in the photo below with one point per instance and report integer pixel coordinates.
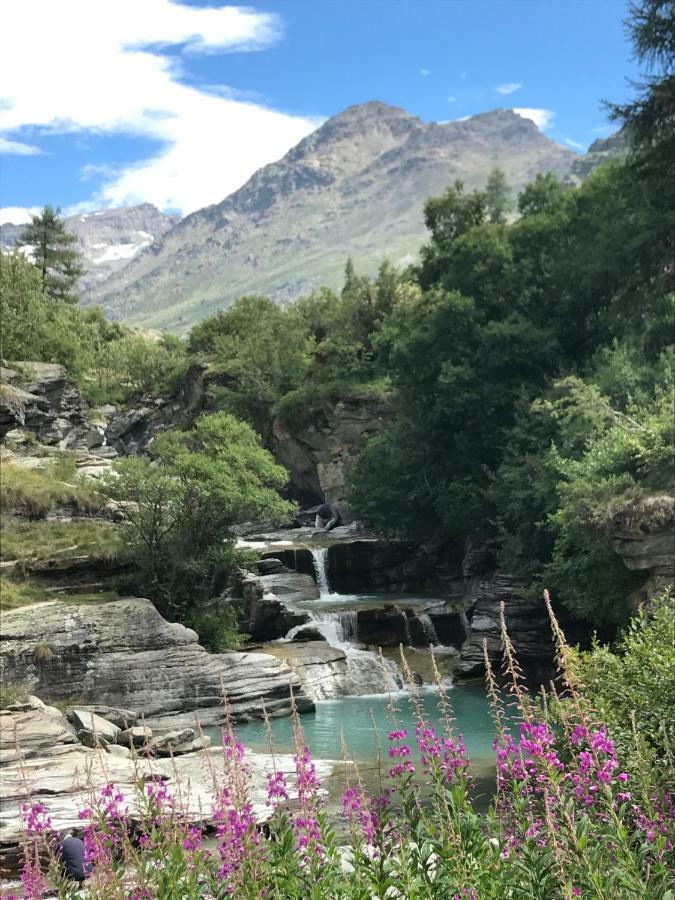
(575, 144)
(17, 148)
(604, 130)
(509, 88)
(109, 74)
(542, 118)
(452, 99)
(17, 215)
(425, 72)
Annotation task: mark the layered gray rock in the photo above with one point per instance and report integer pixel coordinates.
(39, 398)
(327, 672)
(527, 624)
(40, 757)
(643, 534)
(124, 652)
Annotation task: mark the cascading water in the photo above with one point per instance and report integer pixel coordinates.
(365, 672)
(428, 628)
(320, 560)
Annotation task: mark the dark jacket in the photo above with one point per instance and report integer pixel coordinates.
(71, 854)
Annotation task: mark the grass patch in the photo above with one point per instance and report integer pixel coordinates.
(11, 693)
(21, 540)
(34, 493)
(17, 592)
(14, 594)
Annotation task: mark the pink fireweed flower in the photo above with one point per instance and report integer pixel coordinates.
(36, 818)
(38, 825)
(277, 791)
(362, 812)
(398, 735)
(306, 825)
(192, 841)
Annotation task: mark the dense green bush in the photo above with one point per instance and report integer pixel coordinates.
(632, 684)
(180, 508)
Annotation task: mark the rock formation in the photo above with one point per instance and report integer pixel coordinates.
(124, 652)
(40, 756)
(319, 451)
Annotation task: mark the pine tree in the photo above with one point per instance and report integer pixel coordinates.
(498, 196)
(52, 253)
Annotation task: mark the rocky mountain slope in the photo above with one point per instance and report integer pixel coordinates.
(108, 239)
(355, 187)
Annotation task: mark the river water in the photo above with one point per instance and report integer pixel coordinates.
(363, 721)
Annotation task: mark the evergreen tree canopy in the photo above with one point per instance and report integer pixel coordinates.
(51, 247)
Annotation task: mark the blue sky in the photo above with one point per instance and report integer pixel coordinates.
(179, 104)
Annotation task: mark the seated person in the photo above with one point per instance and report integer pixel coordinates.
(71, 856)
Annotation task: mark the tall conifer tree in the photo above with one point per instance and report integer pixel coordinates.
(51, 249)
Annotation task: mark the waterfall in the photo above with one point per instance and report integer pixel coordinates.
(320, 559)
(337, 628)
(363, 673)
(428, 628)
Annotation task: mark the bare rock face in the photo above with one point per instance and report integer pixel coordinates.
(320, 451)
(39, 398)
(124, 652)
(527, 624)
(643, 535)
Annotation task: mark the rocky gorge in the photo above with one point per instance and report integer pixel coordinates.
(315, 607)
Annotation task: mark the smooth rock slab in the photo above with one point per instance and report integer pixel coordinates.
(123, 653)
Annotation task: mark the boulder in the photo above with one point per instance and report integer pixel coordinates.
(308, 633)
(85, 720)
(138, 736)
(290, 587)
(172, 742)
(452, 628)
(270, 619)
(383, 627)
(122, 718)
(271, 566)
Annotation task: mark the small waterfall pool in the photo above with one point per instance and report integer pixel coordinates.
(362, 717)
(352, 716)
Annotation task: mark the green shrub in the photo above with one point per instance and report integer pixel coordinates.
(218, 629)
(185, 504)
(43, 652)
(635, 681)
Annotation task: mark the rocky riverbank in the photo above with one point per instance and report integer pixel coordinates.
(42, 756)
